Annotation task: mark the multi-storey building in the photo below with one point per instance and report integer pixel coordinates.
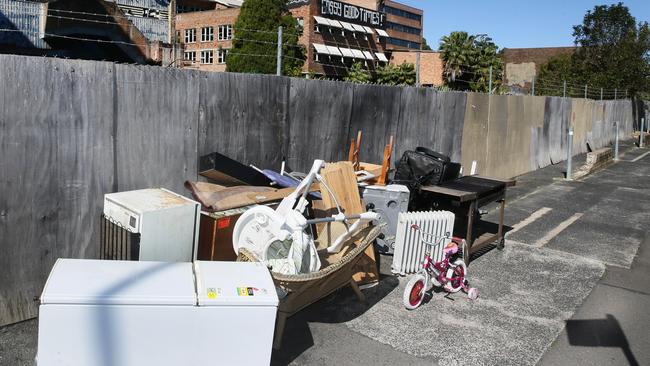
(206, 36)
(403, 25)
(336, 34)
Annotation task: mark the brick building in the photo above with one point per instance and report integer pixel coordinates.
(335, 34)
(206, 36)
(522, 64)
(431, 64)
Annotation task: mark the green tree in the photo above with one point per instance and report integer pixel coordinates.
(357, 74)
(614, 51)
(467, 61)
(552, 75)
(403, 74)
(457, 54)
(425, 46)
(485, 57)
(255, 39)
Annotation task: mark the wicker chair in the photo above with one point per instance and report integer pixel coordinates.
(305, 289)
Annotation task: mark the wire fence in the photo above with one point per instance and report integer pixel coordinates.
(337, 66)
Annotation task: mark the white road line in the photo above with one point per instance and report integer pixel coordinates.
(558, 229)
(640, 157)
(529, 220)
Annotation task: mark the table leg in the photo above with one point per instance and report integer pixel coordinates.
(470, 225)
(501, 239)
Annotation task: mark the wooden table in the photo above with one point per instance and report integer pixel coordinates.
(471, 193)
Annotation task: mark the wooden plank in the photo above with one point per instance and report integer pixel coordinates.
(462, 196)
(341, 180)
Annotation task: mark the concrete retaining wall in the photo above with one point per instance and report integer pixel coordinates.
(71, 131)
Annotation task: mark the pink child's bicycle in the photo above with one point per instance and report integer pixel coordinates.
(446, 274)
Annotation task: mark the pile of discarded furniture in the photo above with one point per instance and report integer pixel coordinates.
(285, 239)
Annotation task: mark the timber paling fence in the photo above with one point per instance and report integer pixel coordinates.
(71, 131)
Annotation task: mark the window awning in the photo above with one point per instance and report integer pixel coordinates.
(346, 52)
(382, 33)
(358, 28)
(368, 30)
(347, 26)
(368, 55)
(327, 50)
(321, 48)
(381, 57)
(334, 23)
(334, 51)
(321, 20)
(358, 54)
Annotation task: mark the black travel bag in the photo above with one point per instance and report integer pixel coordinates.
(423, 167)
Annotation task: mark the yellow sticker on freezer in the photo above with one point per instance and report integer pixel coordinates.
(212, 293)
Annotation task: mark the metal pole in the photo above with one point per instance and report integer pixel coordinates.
(417, 69)
(278, 70)
(564, 92)
(585, 91)
(490, 84)
(569, 153)
(533, 91)
(641, 133)
(625, 93)
(616, 143)
(615, 90)
(601, 93)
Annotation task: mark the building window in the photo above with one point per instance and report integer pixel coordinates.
(404, 43)
(225, 32)
(401, 13)
(207, 34)
(221, 55)
(190, 35)
(316, 56)
(189, 56)
(316, 28)
(403, 28)
(206, 57)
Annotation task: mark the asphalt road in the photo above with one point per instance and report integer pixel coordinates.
(571, 287)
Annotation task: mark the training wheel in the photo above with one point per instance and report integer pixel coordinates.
(472, 293)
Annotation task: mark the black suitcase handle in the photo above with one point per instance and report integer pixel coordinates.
(427, 151)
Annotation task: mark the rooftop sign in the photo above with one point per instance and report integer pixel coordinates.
(351, 13)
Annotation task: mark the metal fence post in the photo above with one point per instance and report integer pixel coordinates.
(564, 92)
(641, 132)
(585, 91)
(533, 91)
(278, 70)
(601, 93)
(615, 90)
(490, 83)
(616, 142)
(569, 153)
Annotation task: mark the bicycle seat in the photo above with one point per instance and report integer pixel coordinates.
(450, 248)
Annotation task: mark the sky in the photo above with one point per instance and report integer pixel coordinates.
(512, 23)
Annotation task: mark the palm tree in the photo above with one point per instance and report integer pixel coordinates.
(457, 53)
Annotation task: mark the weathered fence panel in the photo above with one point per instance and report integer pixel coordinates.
(156, 127)
(319, 122)
(244, 117)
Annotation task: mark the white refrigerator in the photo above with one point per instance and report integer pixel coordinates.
(110, 313)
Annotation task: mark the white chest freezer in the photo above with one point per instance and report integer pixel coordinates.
(128, 313)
